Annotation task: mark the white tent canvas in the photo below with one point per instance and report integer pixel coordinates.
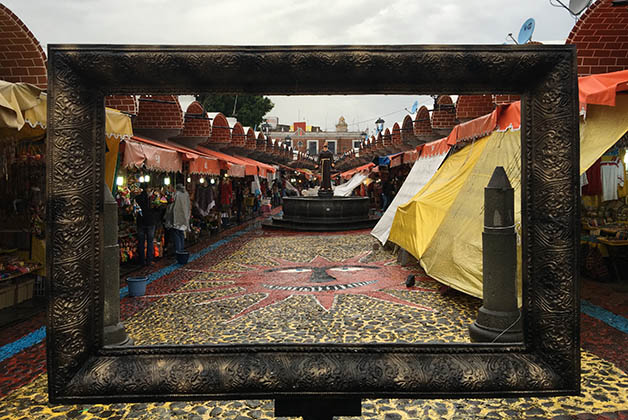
(422, 170)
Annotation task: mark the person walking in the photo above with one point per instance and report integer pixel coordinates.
(177, 218)
(146, 221)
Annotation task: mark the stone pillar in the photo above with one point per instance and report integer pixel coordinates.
(499, 318)
(114, 333)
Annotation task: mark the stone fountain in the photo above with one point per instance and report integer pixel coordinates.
(325, 212)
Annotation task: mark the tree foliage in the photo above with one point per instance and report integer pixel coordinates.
(249, 109)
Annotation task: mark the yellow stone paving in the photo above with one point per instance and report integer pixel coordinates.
(194, 316)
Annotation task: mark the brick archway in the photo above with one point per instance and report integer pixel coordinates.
(221, 133)
(238, 137)
(396, 133)
(601, 37)
(196, 123)
(423, 122)
(21, 57)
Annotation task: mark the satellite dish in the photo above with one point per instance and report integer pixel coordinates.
(525, 33)
(415, 106)
(577, 6)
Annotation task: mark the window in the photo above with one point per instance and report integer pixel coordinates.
(312, 147)
(356, 144)
(331, 145)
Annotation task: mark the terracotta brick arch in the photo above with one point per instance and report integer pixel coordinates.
(269, 145)
(260, 143)
(21, 57)
(159, 112)
(124, 103)
(221, 133)
(379, 141)
(387, 138)
(444, 115)
(250, 138)
(396, 133)
(422, 123)
(196, 123)
(238, 137)
(601, 37)
(469, 107)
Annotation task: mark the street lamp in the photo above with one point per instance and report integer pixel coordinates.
(380, 125)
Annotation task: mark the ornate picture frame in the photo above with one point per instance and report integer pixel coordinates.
(81, 369)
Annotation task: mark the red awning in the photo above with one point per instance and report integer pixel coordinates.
(187, 154)
(234, 166)
(263, 168)
(437, 147)
(140, 154)
(348, 174)
(205, 165)
(601, 89)
(478, 127)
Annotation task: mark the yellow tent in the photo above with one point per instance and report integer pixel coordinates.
(416, 222)
(442, 224)
(23, 116)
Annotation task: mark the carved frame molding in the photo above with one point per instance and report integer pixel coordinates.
(80, 369)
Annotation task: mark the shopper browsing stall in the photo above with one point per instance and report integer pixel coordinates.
(146, 223)
(177, 218)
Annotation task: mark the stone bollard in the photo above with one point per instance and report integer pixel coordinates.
(499, 318)
(114, 333)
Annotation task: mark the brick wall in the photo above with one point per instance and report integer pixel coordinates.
(469, 107)
(21, 57)
(124, 103)
(506, 99)
(251, 141)
(444, 114)
(422, 123)
(260, 142)
(196, 123)
(221, 134)
(396, 133)
(387, 138)
(237, 135)
(159, 111)
(379, 141)
(601, 37)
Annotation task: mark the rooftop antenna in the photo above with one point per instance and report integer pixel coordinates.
(525, 33)
(576, 7)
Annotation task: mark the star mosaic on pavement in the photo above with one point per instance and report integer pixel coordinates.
(321, 278)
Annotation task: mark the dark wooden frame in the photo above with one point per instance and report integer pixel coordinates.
(80, 369)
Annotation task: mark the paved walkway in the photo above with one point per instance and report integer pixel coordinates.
(258, 286)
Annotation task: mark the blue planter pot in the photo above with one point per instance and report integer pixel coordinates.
(182, 257)
(137, 285)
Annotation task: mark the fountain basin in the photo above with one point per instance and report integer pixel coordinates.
(324, 214)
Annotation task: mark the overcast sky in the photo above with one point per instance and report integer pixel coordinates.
(272, 22)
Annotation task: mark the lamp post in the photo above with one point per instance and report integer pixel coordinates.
(379, 124)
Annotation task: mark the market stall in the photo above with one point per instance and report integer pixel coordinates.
(22, 169)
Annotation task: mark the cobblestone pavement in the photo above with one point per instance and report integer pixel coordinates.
(272, 287)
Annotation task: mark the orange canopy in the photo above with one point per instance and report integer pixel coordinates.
(348, 174)
(263, 168)
(187, 154)
(234, 166)
(437, 147)
(140, 154)
(478, 127)
(205, 165)
(601, 89)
